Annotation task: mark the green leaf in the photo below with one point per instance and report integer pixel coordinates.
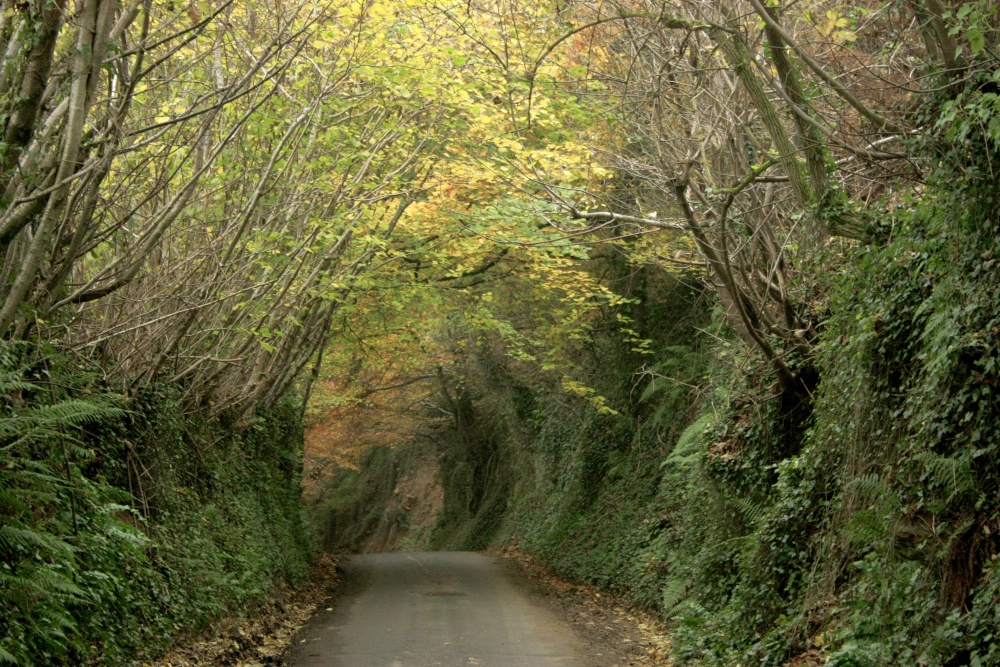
(977, 41)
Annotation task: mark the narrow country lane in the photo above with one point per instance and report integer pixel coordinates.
(424, 609)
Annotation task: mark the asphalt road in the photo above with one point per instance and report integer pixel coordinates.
(424, 609)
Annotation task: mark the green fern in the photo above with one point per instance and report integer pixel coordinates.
(58, 420)
(753, 513)
(42, 582)
(671, 382)
(45, 577)
(865, 490)
(688, 447)
(677, 590)
(13, 538)
(949, 477)
(10, 382)
(864, 528)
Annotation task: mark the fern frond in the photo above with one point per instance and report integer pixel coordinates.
(7, 658)
(9, 383)
(752, 512)
(42, 582)
(688, 447)
(675, 592)
(10, 503)
(953, 476)
(12, 537)
(865, 489)
(64, 414)
(863, 528)
(655, 386)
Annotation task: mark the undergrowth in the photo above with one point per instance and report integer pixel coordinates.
(128, 523)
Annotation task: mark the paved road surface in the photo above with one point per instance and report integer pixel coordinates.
(424, 609)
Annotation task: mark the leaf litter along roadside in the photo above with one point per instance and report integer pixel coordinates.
(617, 634)
(262, 639)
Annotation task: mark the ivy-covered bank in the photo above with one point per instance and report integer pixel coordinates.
(128, 523)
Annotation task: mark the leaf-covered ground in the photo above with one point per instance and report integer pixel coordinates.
(263, 638)
(618, 634)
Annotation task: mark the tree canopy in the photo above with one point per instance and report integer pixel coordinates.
(333, 201)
